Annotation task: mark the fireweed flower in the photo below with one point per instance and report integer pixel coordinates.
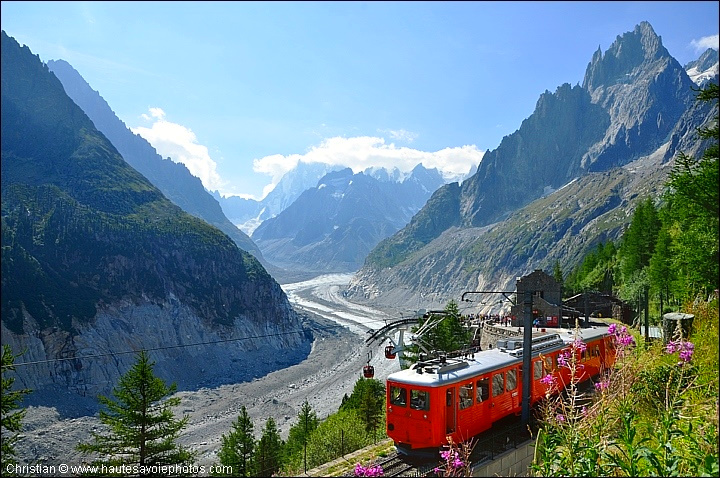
(548, 380)
(626, 340)
(602, 385)
(452, 460)
(563, 359)
(375, 470)
(611, 328)
(578, 344)
(685, 349)
(560, 417)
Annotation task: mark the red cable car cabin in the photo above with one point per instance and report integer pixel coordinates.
(464, 397)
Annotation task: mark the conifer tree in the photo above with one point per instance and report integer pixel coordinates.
(11, 414)
(238, 446)
(300, 432)
(368, 399)
(557, 272)
(693, 199)
(142, 429)
(268, 453)
(638, 242)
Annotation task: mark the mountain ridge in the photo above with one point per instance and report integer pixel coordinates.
(173, 179)
(332, 227)
(92, 251)
(637, 102)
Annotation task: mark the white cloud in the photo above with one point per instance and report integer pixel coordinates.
(181, 145)
(275, 166)
(400, 135)
(362, 152)
(712, 41)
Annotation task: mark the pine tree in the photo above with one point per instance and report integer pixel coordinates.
(695, 181)
(300, 432)
(557, 272)
(142, 427)
(268, 452)
(660, 269)
(11, 415)
(238, 446)
(638, 242)
(693, 201)
(368, 399)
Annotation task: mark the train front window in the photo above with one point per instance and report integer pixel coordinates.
(466, 395)
(419, 400)
(483, 389)
(498, 384)
(398, 396)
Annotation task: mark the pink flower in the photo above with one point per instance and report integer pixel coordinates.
(626, 339)
(611, 328)
(578, 344)
(685, 348)
(548, 380)
(602, 385)
(375, 470)
(560, 417)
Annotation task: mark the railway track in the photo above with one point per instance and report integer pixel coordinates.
(396, 466)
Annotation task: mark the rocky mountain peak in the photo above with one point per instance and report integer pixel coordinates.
(624, 57)
(704, 68)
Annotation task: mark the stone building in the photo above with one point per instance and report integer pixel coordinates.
(546, 300)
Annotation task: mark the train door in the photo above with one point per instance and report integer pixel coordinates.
(512, 381)
(537, 388)
(499, 402)
(450, 410)
(483, 403)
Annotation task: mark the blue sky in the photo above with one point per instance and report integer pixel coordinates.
(242, 91)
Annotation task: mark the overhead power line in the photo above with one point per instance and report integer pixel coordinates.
(167, 347)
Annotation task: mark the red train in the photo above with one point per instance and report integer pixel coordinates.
(463, 397)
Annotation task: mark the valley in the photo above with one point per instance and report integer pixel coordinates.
(330, 371)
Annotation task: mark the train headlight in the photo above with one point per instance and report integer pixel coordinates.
(391, 427)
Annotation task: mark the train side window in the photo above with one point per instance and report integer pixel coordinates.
(483, 389)
(548, 364)
(596, 351)
(466, 395)
(537, 370)
(398, 396)
(498, 384)
(511, 379)
(419, 400)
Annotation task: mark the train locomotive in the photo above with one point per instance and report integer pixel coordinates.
(462, 397)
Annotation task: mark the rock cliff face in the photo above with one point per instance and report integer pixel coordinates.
(74, 367)
(97, 263)
(568, 178)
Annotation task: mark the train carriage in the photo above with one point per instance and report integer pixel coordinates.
(462, 397)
